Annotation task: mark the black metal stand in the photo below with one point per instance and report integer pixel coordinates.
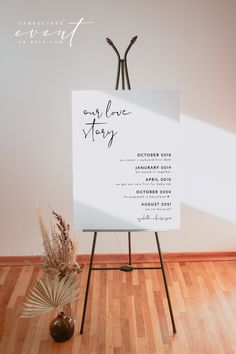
(122, 65)
(126, 268)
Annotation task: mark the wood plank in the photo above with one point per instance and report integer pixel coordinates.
(128, 313)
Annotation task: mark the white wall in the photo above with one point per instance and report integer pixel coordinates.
(182, 44)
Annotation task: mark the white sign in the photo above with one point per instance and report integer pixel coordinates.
(126, 159)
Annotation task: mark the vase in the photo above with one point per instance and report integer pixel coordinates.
(62, 327)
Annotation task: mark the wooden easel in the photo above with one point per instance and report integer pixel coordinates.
(123, 70)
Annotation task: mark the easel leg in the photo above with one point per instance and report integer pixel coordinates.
(88, 282)
(165, 283)
(129, 242)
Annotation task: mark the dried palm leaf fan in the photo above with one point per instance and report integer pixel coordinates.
(59, 286)
(50, 294)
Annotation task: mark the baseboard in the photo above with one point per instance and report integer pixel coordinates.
(123, 258)
(167, 257)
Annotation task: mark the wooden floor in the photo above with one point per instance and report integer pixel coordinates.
(128, 312)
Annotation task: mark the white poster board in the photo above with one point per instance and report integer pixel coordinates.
(126, 160)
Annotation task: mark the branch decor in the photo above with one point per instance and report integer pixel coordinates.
(59, 285)
(59, 256)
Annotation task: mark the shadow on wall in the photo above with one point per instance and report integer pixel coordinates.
(208, 169)
(96, 219)
(151, 101)
(208, 193)
(209, 232)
